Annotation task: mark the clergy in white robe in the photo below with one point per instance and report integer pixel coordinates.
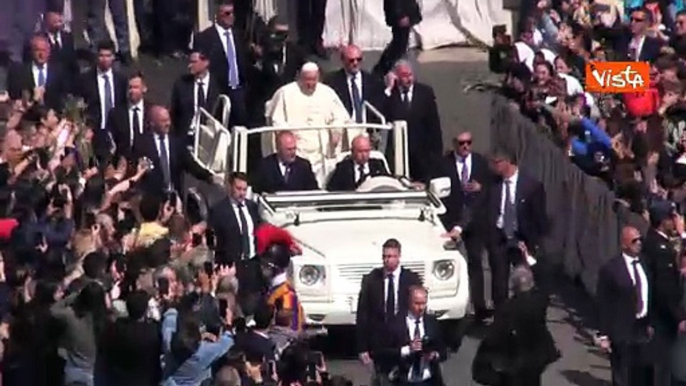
(307, 102)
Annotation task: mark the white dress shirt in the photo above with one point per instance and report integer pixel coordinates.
(513, 195)
(251, 226)
(35, 71)
(356, 170)
(396, 284)
(101, 94)
(282, 168)
(410, 94)
(629, 262)
(55, 38)
(355, 80)
(138, 106)
(205, 80)
(637, 44)
(425, 372)
(460, 161)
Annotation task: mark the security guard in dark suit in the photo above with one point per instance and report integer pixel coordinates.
(663, 243)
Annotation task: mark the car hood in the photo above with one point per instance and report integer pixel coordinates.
(357, 240)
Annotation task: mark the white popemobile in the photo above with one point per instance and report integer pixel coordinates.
(341, 233)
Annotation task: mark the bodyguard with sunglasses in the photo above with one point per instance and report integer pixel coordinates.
(470, 178)
(625, 306)
(661, 247)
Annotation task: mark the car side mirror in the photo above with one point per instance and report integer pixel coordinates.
(440, 187)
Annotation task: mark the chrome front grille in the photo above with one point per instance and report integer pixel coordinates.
(353, 273)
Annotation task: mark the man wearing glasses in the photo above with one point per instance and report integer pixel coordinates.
(625, 308)
(470, 179)
(640, 47)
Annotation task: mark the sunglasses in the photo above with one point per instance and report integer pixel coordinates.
(636, 240)
(354, 60)
(462, 143)
(637, 20)
(226, 13)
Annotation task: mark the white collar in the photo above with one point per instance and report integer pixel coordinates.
(223, 30)
(138, 105)
(279, 279)
(413, 319)
(630, 259)
(205, 79)
(38, 67)
(513, 178)
(459, 158)
(395, 273)
(101, 73)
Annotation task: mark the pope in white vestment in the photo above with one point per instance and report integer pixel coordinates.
(306, 102)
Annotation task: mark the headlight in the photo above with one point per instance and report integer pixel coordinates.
(444, 269)
(311, 275)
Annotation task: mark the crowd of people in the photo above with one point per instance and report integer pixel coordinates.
(634, 142)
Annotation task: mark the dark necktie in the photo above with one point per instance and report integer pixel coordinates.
(406, 99)
(56, 38)
(464, 174)
(417, 363)
(390, 298)
(638, 286)
(231, 60)
(287, 172)
(164, 160)
(357, 99)
(361, 176)
(108, 103)
(201, 95)
(509, 213)
(245, 237)
(136, 124)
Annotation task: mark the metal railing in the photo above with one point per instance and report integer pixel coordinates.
(204, 123)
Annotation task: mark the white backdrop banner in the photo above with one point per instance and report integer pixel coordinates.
(362, 22)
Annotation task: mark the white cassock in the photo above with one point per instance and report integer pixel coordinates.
(291, 107)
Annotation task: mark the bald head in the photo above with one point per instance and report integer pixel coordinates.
(631, 241)
(351, 57)
(404, 74)
(12, 147)
(309, 77)
(286, 146)
(361, 148)
(160, 119)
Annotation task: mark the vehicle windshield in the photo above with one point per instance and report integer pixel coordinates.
(324, 201)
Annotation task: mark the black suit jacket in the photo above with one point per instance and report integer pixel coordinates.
(88, 90)
(464, 209)
(131, 353)
(64, 55)
(372, 91)
(210, 42)
(519, 338)
(119, 124)
(343, 177)
(370, 320)
(399, 336)
(180, 161)
(183, 101)
(255, 344)
(666, 290)
(616, 298)
(227, 229)
(530, 206)
(620, 38)
(269, 178)
(394, 10)
(425, 139)
(20, 79)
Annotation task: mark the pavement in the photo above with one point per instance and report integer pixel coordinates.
(448, 71)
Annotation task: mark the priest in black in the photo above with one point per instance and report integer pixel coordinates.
(354, 170)
(284, 170)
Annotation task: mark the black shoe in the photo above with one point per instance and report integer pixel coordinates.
(125, 58)
(483, 316)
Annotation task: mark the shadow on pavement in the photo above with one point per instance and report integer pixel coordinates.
(583, 378)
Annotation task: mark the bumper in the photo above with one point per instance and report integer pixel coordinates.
(343, 311)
